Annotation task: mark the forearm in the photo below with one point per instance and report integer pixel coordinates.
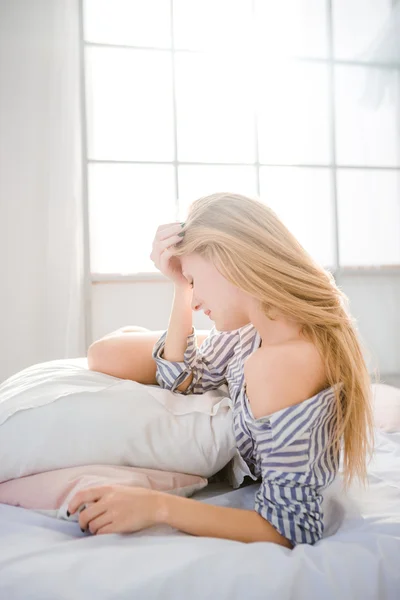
(180, 324)
(125, 354)
(179, 328)
(197, 518)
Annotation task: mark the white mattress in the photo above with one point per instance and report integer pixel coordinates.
(42, 558)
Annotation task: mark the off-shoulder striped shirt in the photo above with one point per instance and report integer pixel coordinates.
(287, 449)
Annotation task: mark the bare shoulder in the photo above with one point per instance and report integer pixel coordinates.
(280, 376)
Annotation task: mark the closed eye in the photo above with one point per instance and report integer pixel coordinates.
(190, 282)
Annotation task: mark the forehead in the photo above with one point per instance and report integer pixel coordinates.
(193, 263)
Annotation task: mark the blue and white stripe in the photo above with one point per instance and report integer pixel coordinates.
(287, 449)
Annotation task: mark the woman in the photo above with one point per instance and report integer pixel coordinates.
(290, 354)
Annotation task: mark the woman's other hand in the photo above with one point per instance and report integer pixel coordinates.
(117, 508)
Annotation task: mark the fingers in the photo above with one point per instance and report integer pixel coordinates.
(167, 236)
(171, 241)
(85, 496)
(106, 529)
(164, 259)
(95, 520)
(159, 245)
(164, 231)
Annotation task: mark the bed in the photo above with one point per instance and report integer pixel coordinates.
(42, 558)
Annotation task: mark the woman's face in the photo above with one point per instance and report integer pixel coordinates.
(228, 305)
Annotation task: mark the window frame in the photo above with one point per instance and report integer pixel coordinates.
(330, 61)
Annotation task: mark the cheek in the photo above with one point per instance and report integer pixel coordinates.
(226, 296)
(232, 291)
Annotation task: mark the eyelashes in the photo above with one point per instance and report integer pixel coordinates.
(191, 283)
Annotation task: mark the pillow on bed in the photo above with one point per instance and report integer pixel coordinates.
(49, 493)
(60, 414)
(386, 407)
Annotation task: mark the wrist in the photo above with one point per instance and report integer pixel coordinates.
(183, 289)
(161, 508)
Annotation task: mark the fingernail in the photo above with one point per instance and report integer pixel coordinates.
(68, 513)
(181, 234)
(182, 224)
(83, 531)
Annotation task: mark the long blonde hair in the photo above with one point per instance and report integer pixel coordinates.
(253, 249)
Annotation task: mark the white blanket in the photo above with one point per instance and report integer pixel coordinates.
(43, 559)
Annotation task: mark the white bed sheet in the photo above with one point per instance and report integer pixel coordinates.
(42, 558)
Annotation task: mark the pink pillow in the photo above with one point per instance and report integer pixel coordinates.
(386, 407)
(50, 492)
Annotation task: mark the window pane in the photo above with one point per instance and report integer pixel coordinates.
(356, 26)
(129, 22)
(293, 114)
(195, 182)
(369, 217)
(301, 198)
(215, 109)
(213, 24)
(127, 203)
(292, 27)
(366, 134)
(129, 96)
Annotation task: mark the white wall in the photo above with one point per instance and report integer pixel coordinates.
(375, 303)
(147, 304)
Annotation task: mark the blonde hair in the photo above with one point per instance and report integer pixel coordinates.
(253, 249)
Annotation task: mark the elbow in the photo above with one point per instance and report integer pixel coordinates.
(95, 357)
(104, 357)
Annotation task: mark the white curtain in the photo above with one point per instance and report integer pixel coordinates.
(43, 282)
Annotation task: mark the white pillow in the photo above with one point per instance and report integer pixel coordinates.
(59, 414)
(386, 407)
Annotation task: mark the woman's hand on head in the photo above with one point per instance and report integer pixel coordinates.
(170, 266)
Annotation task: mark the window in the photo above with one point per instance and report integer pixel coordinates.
(188, 97)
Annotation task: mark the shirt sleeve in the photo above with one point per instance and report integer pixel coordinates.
(207, 363)
(295, 467)
(292, 507)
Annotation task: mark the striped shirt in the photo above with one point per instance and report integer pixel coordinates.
(287, 450)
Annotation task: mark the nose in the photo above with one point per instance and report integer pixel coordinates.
(195, 304)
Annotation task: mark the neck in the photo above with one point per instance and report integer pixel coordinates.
(274, 332)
